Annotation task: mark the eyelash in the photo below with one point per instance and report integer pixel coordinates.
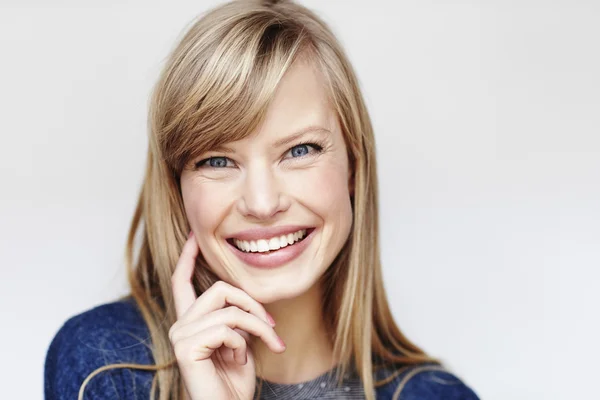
(316, 145)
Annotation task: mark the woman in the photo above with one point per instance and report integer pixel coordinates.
(261, 148)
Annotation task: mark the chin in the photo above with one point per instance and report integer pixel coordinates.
(271, 292)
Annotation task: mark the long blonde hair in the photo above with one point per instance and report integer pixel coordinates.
(215, 88)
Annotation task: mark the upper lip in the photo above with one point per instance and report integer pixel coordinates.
(267, 233)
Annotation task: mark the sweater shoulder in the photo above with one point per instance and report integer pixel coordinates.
(111, 333)
(424, 382)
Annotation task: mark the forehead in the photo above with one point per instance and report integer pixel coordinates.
(301, 99)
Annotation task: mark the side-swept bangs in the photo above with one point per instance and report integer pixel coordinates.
(220, 81)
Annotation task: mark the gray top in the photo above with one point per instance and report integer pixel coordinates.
(322, 387)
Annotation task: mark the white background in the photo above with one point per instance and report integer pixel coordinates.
(487, 120)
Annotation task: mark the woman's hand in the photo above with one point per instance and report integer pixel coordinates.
(211, 333)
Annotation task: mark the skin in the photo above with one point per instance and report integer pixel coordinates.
(262, 185)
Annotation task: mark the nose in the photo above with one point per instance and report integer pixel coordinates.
(262, 193)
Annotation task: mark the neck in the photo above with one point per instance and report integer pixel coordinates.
(309, 350)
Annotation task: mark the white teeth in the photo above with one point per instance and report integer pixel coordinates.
(274, 244)
(264, 245)
(283, 241)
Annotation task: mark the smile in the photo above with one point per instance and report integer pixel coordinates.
(271, 244)
(272, 252)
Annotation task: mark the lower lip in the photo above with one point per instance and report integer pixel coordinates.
(274, 259)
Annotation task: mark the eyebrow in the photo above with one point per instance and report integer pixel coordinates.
(300, 133)
(286, 140)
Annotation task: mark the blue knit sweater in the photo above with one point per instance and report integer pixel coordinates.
(116, 333)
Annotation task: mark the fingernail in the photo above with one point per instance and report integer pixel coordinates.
(281, 342)
(270, 319)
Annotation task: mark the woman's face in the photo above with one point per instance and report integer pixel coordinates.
(270, 185)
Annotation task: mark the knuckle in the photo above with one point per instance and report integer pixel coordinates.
(240, 343)
(180, 350)
(222, 330)
(233, 312)
(220, 286)
(172, 331)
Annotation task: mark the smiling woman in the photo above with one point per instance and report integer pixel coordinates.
(266, 187)
(259, 262)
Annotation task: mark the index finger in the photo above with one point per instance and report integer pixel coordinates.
(221, 294)
(184, 294)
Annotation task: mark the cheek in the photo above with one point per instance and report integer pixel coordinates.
(197, 200)
(326, 192)
(205, 206)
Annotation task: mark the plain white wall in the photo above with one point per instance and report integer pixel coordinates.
(487, 122)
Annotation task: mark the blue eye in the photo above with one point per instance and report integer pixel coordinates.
(218, 162)
(302, 149)
(213, 162)
(299, 150)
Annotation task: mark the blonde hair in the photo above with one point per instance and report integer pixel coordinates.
(215, 88)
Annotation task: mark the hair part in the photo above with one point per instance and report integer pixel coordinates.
(198, 104)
